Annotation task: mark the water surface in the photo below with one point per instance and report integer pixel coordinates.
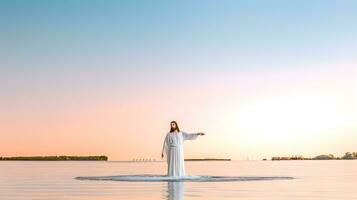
(55, 180)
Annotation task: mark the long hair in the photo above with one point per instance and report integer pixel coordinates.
(177, 128)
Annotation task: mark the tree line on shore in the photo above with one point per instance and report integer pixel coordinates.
(56, 158)
(347, 156)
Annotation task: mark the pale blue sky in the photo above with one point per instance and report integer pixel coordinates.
(183, 35)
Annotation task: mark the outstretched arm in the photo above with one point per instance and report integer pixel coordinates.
(191, 136)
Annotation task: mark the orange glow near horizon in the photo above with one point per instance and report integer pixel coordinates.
(256, 114)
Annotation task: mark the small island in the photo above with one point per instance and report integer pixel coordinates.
(55, 158)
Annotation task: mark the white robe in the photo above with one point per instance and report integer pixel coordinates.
(173, 147)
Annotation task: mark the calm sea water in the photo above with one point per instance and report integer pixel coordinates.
(32, 180)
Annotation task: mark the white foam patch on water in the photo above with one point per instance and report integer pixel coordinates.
(164, 178)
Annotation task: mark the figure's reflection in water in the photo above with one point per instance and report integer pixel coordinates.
(175, 190)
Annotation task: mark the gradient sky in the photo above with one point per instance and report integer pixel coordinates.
(260, 78)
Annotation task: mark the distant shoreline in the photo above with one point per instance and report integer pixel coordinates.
(347, 156)
(207, 159)
(55, 158)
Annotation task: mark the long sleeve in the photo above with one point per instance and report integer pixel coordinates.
(189, 136)
(165, 145)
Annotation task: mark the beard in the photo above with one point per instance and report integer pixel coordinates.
(174, 129)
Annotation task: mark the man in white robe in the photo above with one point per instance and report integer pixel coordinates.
(173, 148)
